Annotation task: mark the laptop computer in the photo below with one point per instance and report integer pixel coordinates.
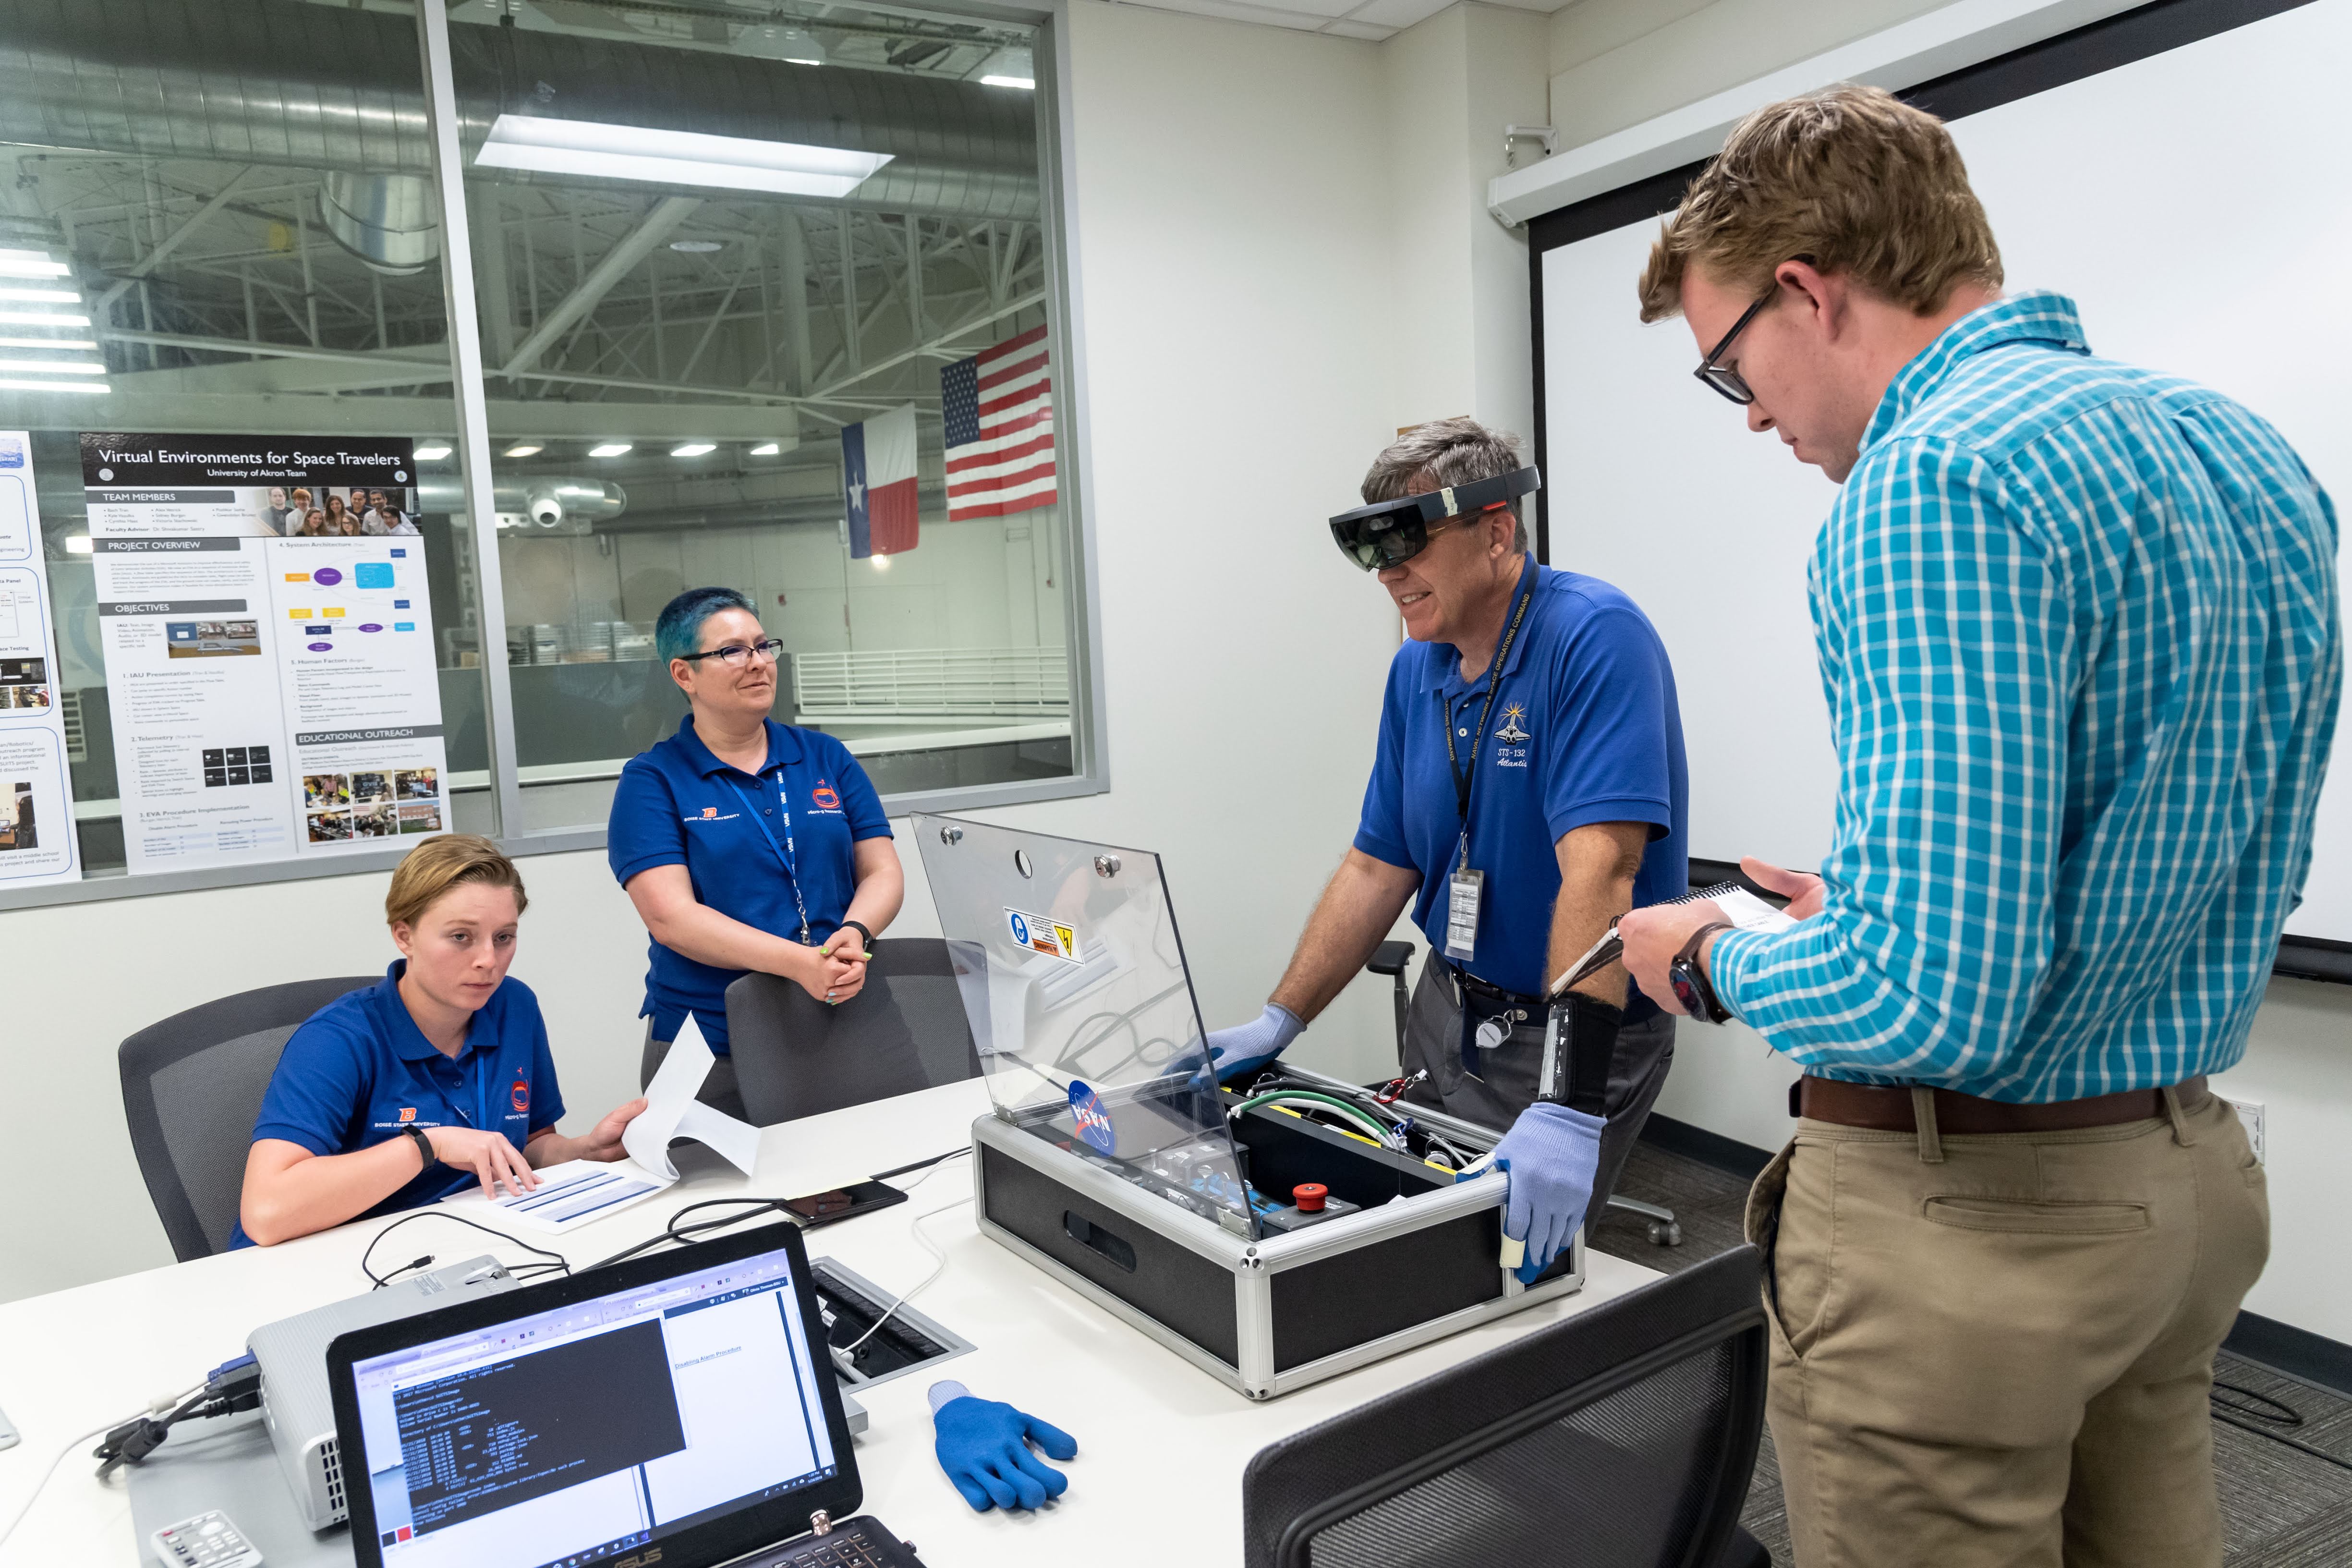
(671, 1410)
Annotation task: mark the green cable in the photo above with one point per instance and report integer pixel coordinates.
(1352, 1112)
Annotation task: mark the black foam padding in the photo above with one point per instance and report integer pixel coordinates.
(1353, 1297)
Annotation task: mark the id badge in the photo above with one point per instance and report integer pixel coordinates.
(1462, 891)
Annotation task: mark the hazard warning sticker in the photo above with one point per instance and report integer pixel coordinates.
(1040, 934)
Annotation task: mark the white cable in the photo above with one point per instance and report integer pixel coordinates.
(47, 1475)
(928, 1246)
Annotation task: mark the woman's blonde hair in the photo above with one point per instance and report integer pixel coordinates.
(1851, 179)
(442, 862)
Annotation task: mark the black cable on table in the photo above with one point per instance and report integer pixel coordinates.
(555, 1262)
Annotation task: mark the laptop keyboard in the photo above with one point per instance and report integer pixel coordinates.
(846, 1548)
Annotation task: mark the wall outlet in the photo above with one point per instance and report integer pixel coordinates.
(2250, 1117)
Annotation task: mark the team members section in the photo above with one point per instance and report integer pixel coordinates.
(595, 1429)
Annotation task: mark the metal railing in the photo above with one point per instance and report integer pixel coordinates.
(933, 683)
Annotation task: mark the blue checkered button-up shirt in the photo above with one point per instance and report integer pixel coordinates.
(2077, 626)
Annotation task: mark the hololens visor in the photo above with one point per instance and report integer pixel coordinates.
(1392, 532)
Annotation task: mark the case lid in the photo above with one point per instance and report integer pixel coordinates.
(1073, 977)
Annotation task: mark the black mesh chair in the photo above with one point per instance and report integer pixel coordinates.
(191, 1088)
(905, 1030)
(1622, 1438)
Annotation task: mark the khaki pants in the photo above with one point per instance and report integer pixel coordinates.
(1996, 1350)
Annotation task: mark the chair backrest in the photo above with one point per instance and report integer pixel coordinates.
(905, 1030)
(191, 1088)
(1624, 1435)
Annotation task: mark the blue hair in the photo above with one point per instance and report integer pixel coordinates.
(679, 631)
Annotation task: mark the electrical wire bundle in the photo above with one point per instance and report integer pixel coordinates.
(1380, 1122)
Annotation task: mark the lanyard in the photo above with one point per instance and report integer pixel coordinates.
(1465, 777)
(783, 848)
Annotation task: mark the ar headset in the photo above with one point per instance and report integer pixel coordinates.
(1392, 532)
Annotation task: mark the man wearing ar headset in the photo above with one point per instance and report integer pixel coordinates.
(1527, 790)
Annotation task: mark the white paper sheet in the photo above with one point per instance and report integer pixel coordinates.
(575, 1194)
(672, 1112)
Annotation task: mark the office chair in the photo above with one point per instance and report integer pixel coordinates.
(1622, 1438)
(191, 1088)
(1390, 959)
(905, 1030)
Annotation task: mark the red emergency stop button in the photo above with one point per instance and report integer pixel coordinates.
(1310, 1197)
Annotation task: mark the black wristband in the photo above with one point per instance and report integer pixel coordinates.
(424, 1147)
(1580, 1046)
(865, 936)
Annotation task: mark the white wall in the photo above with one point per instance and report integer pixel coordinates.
(1232, 202)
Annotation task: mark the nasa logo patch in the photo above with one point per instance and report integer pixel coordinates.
(1093, 1121)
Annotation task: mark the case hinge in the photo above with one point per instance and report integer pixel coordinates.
(821, 1522)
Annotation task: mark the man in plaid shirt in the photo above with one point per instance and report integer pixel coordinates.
(2077, 625)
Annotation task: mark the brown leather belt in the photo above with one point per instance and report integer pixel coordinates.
(1882, 1108)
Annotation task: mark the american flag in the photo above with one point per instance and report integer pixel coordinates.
(999, 406)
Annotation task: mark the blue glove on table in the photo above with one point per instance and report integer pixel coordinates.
(1552, 1154)
(1245, 1048)
(983, 1445)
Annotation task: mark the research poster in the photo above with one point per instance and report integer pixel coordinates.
(36, 826)
(268, 643)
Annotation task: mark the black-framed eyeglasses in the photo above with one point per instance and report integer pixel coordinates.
(1722, 377)
(733, 655)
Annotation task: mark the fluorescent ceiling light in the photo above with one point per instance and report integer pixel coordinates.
(32, 264)
(85, 343)
(767, 450)
(77, 543)
(609, 449)
(43, 319)
(1009, 68)
(522, 450)
(52, 366)
(432, 454)
(768, 41)
(694, 246)
(693, 449)
(589, 147)
(59, 296)
(11, 385)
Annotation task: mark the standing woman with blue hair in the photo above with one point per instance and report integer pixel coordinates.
(746, 845)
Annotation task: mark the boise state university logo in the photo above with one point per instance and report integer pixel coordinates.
(825, 798)
(1510, 734)
(1093, 1121)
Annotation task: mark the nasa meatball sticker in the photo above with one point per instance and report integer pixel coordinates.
(1039, 934)
(1093, 1121)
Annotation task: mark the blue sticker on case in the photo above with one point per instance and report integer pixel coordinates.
(1093, 1121)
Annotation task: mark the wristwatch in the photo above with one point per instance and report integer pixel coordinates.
(1687, 975)
(864, 936)
(424, 1148)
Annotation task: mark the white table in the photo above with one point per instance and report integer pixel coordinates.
(1161, 1445)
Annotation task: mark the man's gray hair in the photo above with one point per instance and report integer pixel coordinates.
(1445, 452)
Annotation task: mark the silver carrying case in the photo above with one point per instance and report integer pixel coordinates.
(1113, 1162)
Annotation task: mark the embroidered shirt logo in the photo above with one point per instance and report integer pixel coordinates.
(520, 1095)
(1510, 734)
(408, 1114)
(825, 796)
(709, 812)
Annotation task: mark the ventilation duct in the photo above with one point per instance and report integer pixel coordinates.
(555, 505)
(317, 87)
(391, 222)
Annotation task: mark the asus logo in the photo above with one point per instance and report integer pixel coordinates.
(645, 1558)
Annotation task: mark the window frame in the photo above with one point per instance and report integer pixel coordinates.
(1081, 588)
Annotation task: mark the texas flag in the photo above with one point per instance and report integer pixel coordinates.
(877, 473)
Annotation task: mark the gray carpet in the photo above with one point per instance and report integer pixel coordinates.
(2281, 1508)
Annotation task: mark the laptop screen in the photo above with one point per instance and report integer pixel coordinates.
(586, 1432)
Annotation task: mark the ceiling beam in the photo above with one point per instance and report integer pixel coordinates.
(618, 263)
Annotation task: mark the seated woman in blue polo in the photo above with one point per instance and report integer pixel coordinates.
(745, 844)
(396, 1096)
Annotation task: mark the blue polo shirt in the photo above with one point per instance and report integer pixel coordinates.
(359, 1069)
(744, 841)
(1585, 729)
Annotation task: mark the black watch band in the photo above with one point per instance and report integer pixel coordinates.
(1688, 976)
(424, 1148)
(864, 936)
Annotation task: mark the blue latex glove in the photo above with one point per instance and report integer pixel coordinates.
(984, 1447)
(1245, 1048)
(1552, 1154)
